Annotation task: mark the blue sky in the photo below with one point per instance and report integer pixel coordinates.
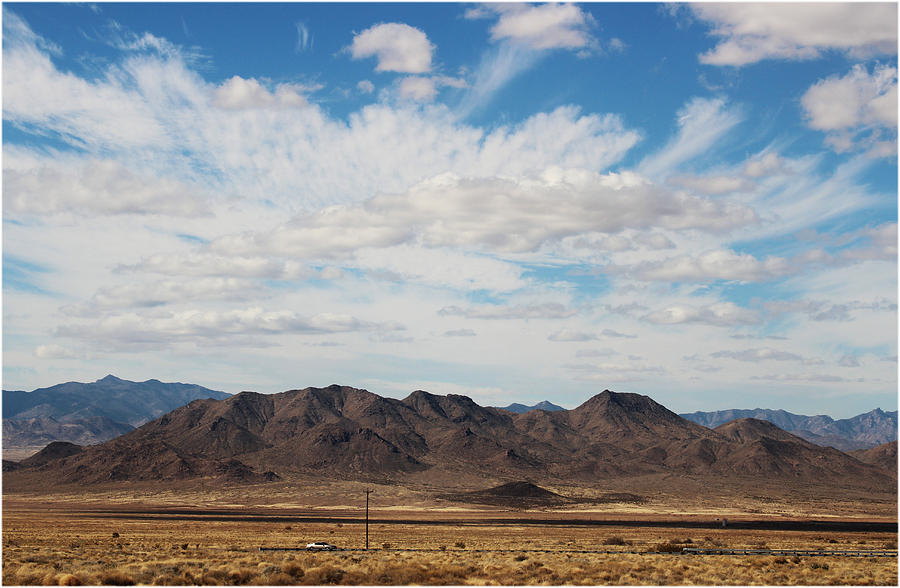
(515, 202)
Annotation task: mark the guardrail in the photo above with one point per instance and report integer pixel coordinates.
(797, 552)
(684, 551)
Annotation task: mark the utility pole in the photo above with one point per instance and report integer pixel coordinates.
(367, 518)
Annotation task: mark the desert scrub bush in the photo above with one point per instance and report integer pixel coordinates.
(616, 540)
(326, 574)
(293, 569)
(278, 579)
(667, 547)
(240, 575)
(459, 545)
(115, 578)
(68, 580)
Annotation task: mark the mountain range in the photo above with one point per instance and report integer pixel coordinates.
(90, 413)
(521, 408)
(863, 431)
(344, 432)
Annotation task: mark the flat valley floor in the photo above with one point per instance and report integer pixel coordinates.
(211, 535)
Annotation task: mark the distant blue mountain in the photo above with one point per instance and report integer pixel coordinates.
(93, 412)
(521, 408)
(863, 431)
(132, 403)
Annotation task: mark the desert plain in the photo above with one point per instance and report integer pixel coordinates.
(210, 533)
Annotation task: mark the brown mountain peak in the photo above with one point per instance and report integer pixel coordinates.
(746, 430)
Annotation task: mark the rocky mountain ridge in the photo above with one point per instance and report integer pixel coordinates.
(344, 432)
(90, 413)
(863, 431)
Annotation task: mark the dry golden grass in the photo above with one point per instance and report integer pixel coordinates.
(68, 539)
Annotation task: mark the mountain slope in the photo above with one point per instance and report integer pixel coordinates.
(343, 432)
(90, 413)
(883, 456)
(39, 431)
(860, 432)
(123, 401)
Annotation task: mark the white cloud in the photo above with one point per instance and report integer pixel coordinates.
(616, 334)
(497, 68)
(167, 327)
(701, 123)
(765, 164)
(418, 88)
(854, 108)
(759, 354)
(203, 263)
(238, 93)
(752, 32)
(545, 26)
(37, 96)
(159, 116)
(569, 335)
(304, 37)
(365, 86)
(713, 184)
(719, 264)
(524, 33)
(398, 47)
(93, 187)
(720, 314)
(491, 214)
(440, 267)
(547, 310)
(54, 351)
(821, 310)
(163, 292)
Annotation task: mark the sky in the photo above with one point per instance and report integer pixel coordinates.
(515, 202)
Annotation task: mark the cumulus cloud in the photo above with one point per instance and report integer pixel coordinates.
(545, 26)
(203, 263)
(616, 334)
(855, 107)
(159, 293)
(491, 214)
(238, 93)
(418, 88)
(398, 47)
(165, 327)
(752, 32)
(54, 351)
(365, 86)
(93, 187)
(718, 264)
(720, 314)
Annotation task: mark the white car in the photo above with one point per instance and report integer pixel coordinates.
(320, 546)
